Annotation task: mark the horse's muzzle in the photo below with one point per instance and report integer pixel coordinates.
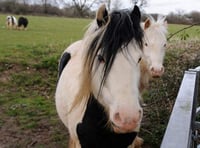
(123, 124)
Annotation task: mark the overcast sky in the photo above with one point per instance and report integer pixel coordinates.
(167, 6)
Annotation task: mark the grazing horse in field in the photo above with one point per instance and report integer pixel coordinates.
(22, 23)
(97, 94)
(11, 22)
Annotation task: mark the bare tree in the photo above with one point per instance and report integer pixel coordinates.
(116, 4)
(140, 3)
(44, 3)
(109, 3)
(25, 2)
(195, 15)
(83, 6)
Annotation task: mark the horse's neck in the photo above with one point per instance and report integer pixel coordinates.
(75, 48)
(145, 74)
(76, 51)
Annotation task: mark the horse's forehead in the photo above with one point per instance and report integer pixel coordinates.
(155, 34)
(132, 54)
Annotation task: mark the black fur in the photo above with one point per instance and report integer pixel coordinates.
(22, 21)
(12, 20)
(63, 62)
(124, 26)
(93, 132)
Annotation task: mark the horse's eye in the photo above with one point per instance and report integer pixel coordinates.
(139, 59)
(165, 45)
(146, 44)
(100, 58)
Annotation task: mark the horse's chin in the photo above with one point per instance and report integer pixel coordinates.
(121, 130)
(156, 76)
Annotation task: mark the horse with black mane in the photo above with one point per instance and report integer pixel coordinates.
(97, 95)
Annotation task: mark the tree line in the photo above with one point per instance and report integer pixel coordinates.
(38, 9)
(75, 9)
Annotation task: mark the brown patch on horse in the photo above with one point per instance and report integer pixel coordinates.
(145, 75)
(72, 144)
(137, 143)
(102, 15)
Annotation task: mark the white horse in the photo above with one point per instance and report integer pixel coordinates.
(155, 41)
(105, 65)
(11, 22)
(155, 34)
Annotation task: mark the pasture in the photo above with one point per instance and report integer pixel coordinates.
(28, 76)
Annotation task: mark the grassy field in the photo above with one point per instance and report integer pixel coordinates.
(193, 32)
(28, 75)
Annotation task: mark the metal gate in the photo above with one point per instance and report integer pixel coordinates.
(183, 129)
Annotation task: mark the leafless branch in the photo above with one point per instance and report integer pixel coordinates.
(181, 30)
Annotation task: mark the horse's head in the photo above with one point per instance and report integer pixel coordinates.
(155, 44)
(114, 51)
(8, 18)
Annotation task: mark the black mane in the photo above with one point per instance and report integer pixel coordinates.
(122, 28)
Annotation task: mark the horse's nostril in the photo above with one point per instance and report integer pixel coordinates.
(117, 117)
(152, 68)
(157, 70)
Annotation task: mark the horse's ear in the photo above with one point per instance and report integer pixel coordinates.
(147, 23)
(102, 15)
(136, 13)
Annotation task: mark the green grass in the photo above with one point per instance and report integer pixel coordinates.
(193, 32)
(28, 76)
(43, 33)
(28, 67)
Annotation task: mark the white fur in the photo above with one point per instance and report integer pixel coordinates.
(10, 24)
(155, 37)
(120, 93)
(155, 42)
(68, 87)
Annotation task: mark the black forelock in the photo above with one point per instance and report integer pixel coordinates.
(123, 27)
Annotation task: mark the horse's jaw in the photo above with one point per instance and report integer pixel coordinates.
(121, 130)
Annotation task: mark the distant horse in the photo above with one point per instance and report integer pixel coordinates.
(104, 67)
(22, 23)
(11, 22)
